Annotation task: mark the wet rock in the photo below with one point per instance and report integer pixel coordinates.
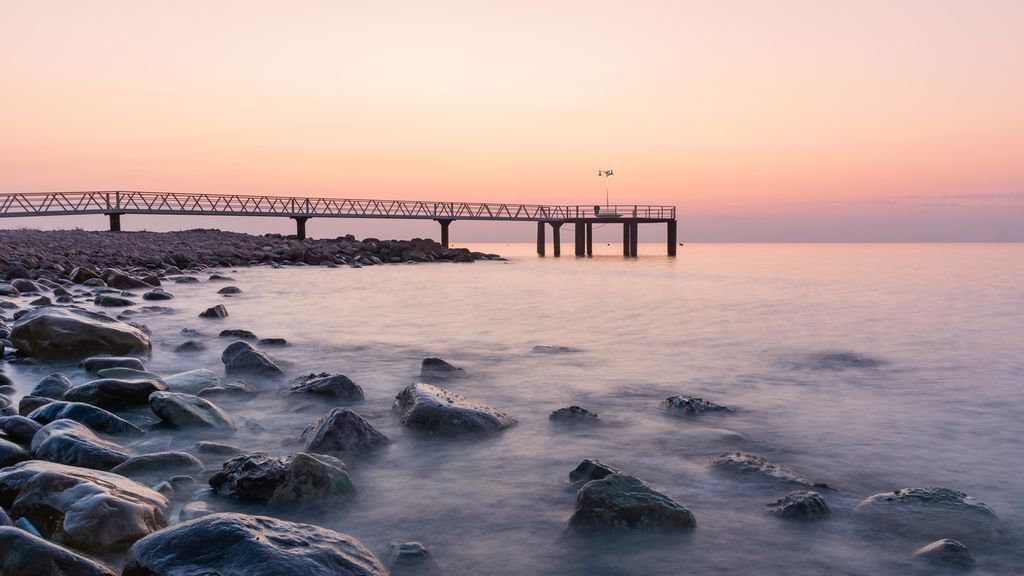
(69, 442)
(411, 558)
(19, 428)
(545, 349)
(207, 448)
(194, 510)
(272, 342)
(53, 386)
(11, 453)
(5, 520)
(947, 552)
(573, 414)
(30, 403)
(218, 311)
(230, 290)
(342, 431)
(157, 294)
(80, 274)
(334, 386)
(591, 469)
(88, 510)
(41, 301)
(186, 280)
(188, 411)
(128, 374)
(800, 505)
(159, 464)
(192, 382)
(8, 290)
(438, 368)
(125, 282)
(97, 363)
(690, 405)
(109, 301)
(113, 394)
(299, 478)
(95, 418)
(219, 278)
(26, 286)
(621, 502)
(66, 333)
(753, 468)
(930, 513)
(237, 333)
(242, 357)
(190, 346)
(29, 555)
(436, 410)
(233, 390)
(250, 545)
(839, 361)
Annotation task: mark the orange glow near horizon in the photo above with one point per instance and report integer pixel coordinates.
(800, 109)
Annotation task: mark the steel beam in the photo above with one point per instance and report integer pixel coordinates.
(540, 238)
(300, 226)
(445, 223)
(556, 238)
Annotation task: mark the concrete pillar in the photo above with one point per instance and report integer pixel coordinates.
(625, 237)
(300, 226)
(556, 238)
(115, 221)
(540, 238)
(634, 233)
(444, 222)
(590, 238)
(580, 238)
(671, 237)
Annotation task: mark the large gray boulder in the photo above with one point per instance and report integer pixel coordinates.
(438, 411)
(53, 386)
(241, 357)
(19, 428)
(342, 431)
(97, 363)
(240, 545)
(87, 510)
(929, 514)
(95, 418)
(11, 453)
(299, 478)
(25, 554)
(754, 468)
(188, 411)
(57, 332)
(331, 386)
(114, 394)
(193, 381)
(620, 502)
(71, 443)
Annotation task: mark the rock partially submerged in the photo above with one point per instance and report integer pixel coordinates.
(436, 410)
(573, 415)
(342, 431)
(53, 386)
(188, 411)
(71, 443)
(88, 510)
(242, 357)
(11, 453)
(411, 558)
(159, 464)
(691, 405)
(70, 333)
(334, 386)
(754, 468)
(218, 311)
(946, 552)
(240, 545)
(114, 394)
(438, 368)
(95, 418)
(591, 469)
(800, 505)
(620, 502)
(930, 513)
(25, 554)
(193, 381)
(299, 478)
(19, 428)
(97, 363)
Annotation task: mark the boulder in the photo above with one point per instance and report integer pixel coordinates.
(114, 394)
(438, 411)
(242, 357)
(159, 464)
(97, 419)
(929, 513)
(157, 294)
(190, 346)
(68, 333)
(945, 552)
(800, 505)
(753, 468)
(192, 382)
(19, 428)
(53, 386)
(620, 502)
(30, 403)
(242, 545)
(29, 555)
(69, 442)
(230, 290)
(125, 282)
(79, 275)
(11, 453)
(108, 301)
(211, 449)
(573, 414)
(272, 342)
(234, 390)
(299, 478)
(97, 363)
(411, 558)
(237, 333)
(690, 405)
(128, 374)
(41, 301)
(342, 431)
(87, 510)
(26, 286)
(591, 469)
(218, 311)
(438, 368)
(194, 510)
(334, 386)
(188, 411)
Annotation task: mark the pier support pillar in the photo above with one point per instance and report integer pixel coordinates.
(590, 238)
(300, 226)
(444, 222)
(540, 238)
(671, 237)
(580, 231)
(556, 238)
(115, 221)
(625, 238)
(634, 233)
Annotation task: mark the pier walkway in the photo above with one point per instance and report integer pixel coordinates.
(115, 204)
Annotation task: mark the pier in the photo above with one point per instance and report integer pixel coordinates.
(115, 204)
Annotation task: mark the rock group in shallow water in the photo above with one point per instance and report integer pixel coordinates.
(438, 411)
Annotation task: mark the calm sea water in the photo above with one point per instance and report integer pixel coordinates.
(936, 401)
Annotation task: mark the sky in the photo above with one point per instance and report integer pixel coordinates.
(792, 120)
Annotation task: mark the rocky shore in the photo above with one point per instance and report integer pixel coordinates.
(36, 253)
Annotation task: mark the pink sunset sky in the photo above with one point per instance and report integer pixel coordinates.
(762, 121)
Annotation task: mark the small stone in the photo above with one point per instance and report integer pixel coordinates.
(800, 505)
(229, 290)
(218, 311)
(237, 333)
(573, 414)
(190, 346)
(691, 405)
